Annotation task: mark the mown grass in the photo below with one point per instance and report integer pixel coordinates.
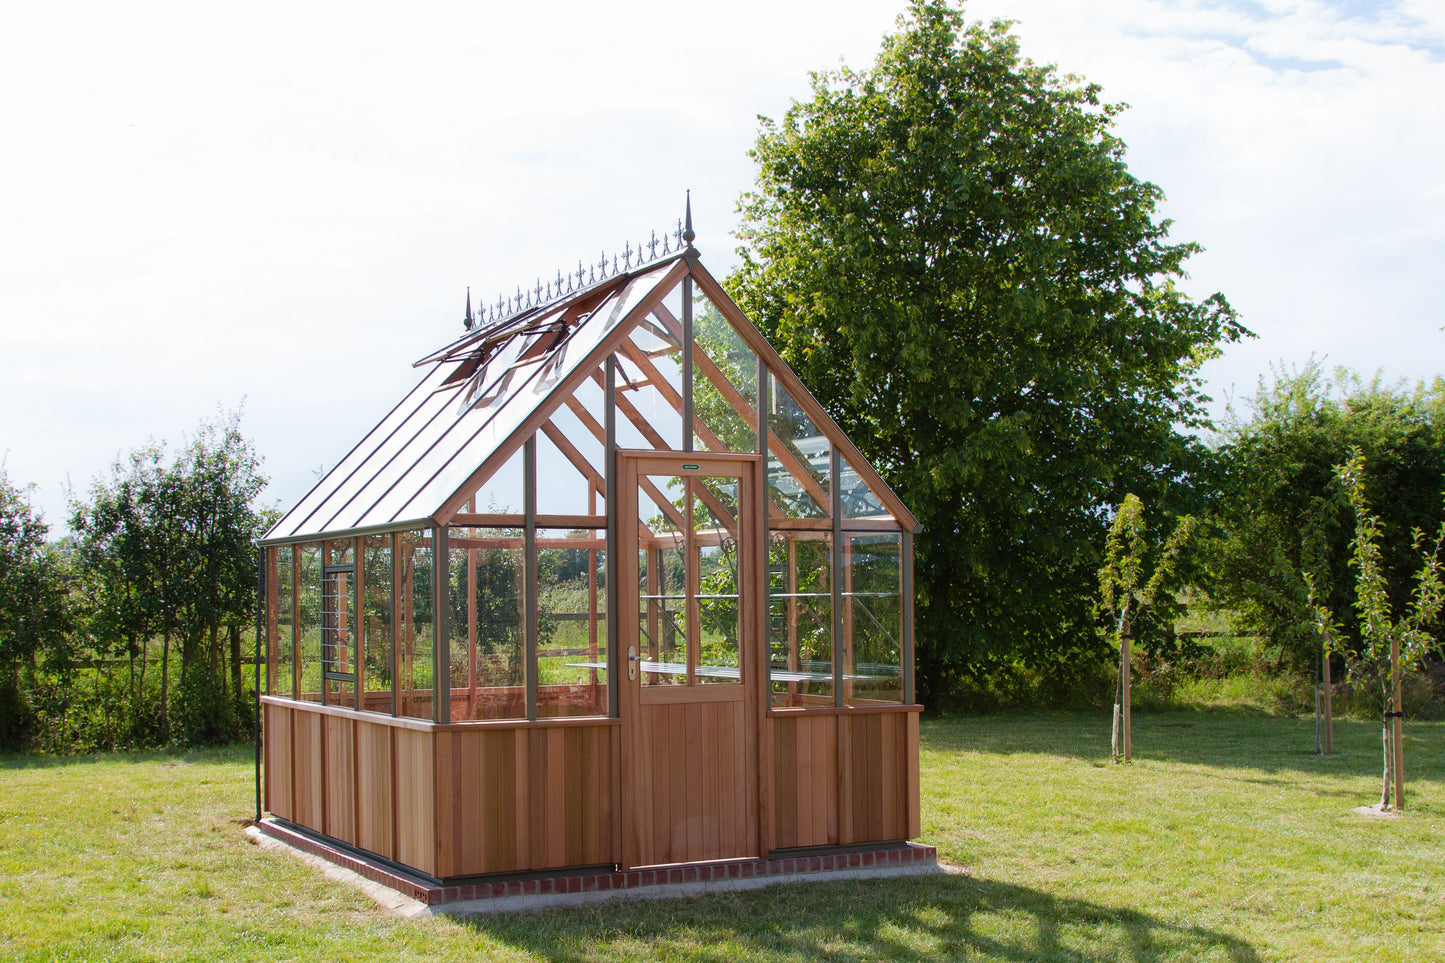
(1227, 840)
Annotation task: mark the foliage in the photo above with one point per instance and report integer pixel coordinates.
(36, 614)
(1126, 552)
(1393, 636)
(951, 252)
(1287, 514)
(167, 549)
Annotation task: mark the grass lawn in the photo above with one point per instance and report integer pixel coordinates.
(1227, 840)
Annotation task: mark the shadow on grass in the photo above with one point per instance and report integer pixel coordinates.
(1224, 737)
(909, 919)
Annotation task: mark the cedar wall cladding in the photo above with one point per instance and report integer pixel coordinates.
(463, 800)
(476, 799)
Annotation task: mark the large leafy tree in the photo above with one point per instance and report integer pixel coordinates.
(950, 250)
(1289, 519)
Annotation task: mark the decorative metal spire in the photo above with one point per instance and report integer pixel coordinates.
(587, 274)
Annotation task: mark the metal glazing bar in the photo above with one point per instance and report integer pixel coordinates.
(614, 676)
(441, 628)
(907, 547)
(761, 394)
(835, 579)
(835, 576)
(687, 362)
(296, 621)
(358, 620)
(529, 573)
(395, 628)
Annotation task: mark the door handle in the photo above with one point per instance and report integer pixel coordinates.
(632, 661)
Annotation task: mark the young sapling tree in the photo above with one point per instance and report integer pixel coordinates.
(1389, 646)
(1126, 552)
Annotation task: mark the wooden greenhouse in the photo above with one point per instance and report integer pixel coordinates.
(608, 588)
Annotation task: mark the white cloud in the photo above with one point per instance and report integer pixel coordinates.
(285, 202)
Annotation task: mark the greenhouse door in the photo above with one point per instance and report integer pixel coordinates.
(689, 576)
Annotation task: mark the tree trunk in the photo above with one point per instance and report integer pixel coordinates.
(1126, 711)
(1329, 698)
(1398, 723)
(1385, 765)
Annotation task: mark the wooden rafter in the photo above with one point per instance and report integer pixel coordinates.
(664, 504)
(640, 422)
(734, 397)
(801, 395)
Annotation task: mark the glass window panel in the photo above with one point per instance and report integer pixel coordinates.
(283, 661)
(571, 623)
(561, 488)
(858, 499)
(646, 416)
(800, 618)
(592, 452)
(378, 667)
(724, 382)
(502, 493)
(688, 590)
(717, 588)
(872, 619)
(487, 645)
(415, 642)
(339, 551)
(799, 458)
(662, 572)
(308, 621)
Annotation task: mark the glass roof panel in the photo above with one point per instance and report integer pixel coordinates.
(296, 520)
(466, 409)
(436, 477)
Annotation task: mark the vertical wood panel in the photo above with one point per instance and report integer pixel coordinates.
(445, 837)
(339, 777)
(727, 787)
(374, 813)
(280, 762)
(415, 800)
(521, 807)
(910, 763)
(844, 755)
(307, 788)
(554, 797)
(890, 784)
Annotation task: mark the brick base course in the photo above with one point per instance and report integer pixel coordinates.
(564, 881)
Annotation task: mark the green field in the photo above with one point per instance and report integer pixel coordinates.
(1227, 840)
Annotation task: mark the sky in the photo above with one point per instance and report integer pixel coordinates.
(280, 206)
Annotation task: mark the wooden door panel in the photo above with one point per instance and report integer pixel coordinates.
(690, 785)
